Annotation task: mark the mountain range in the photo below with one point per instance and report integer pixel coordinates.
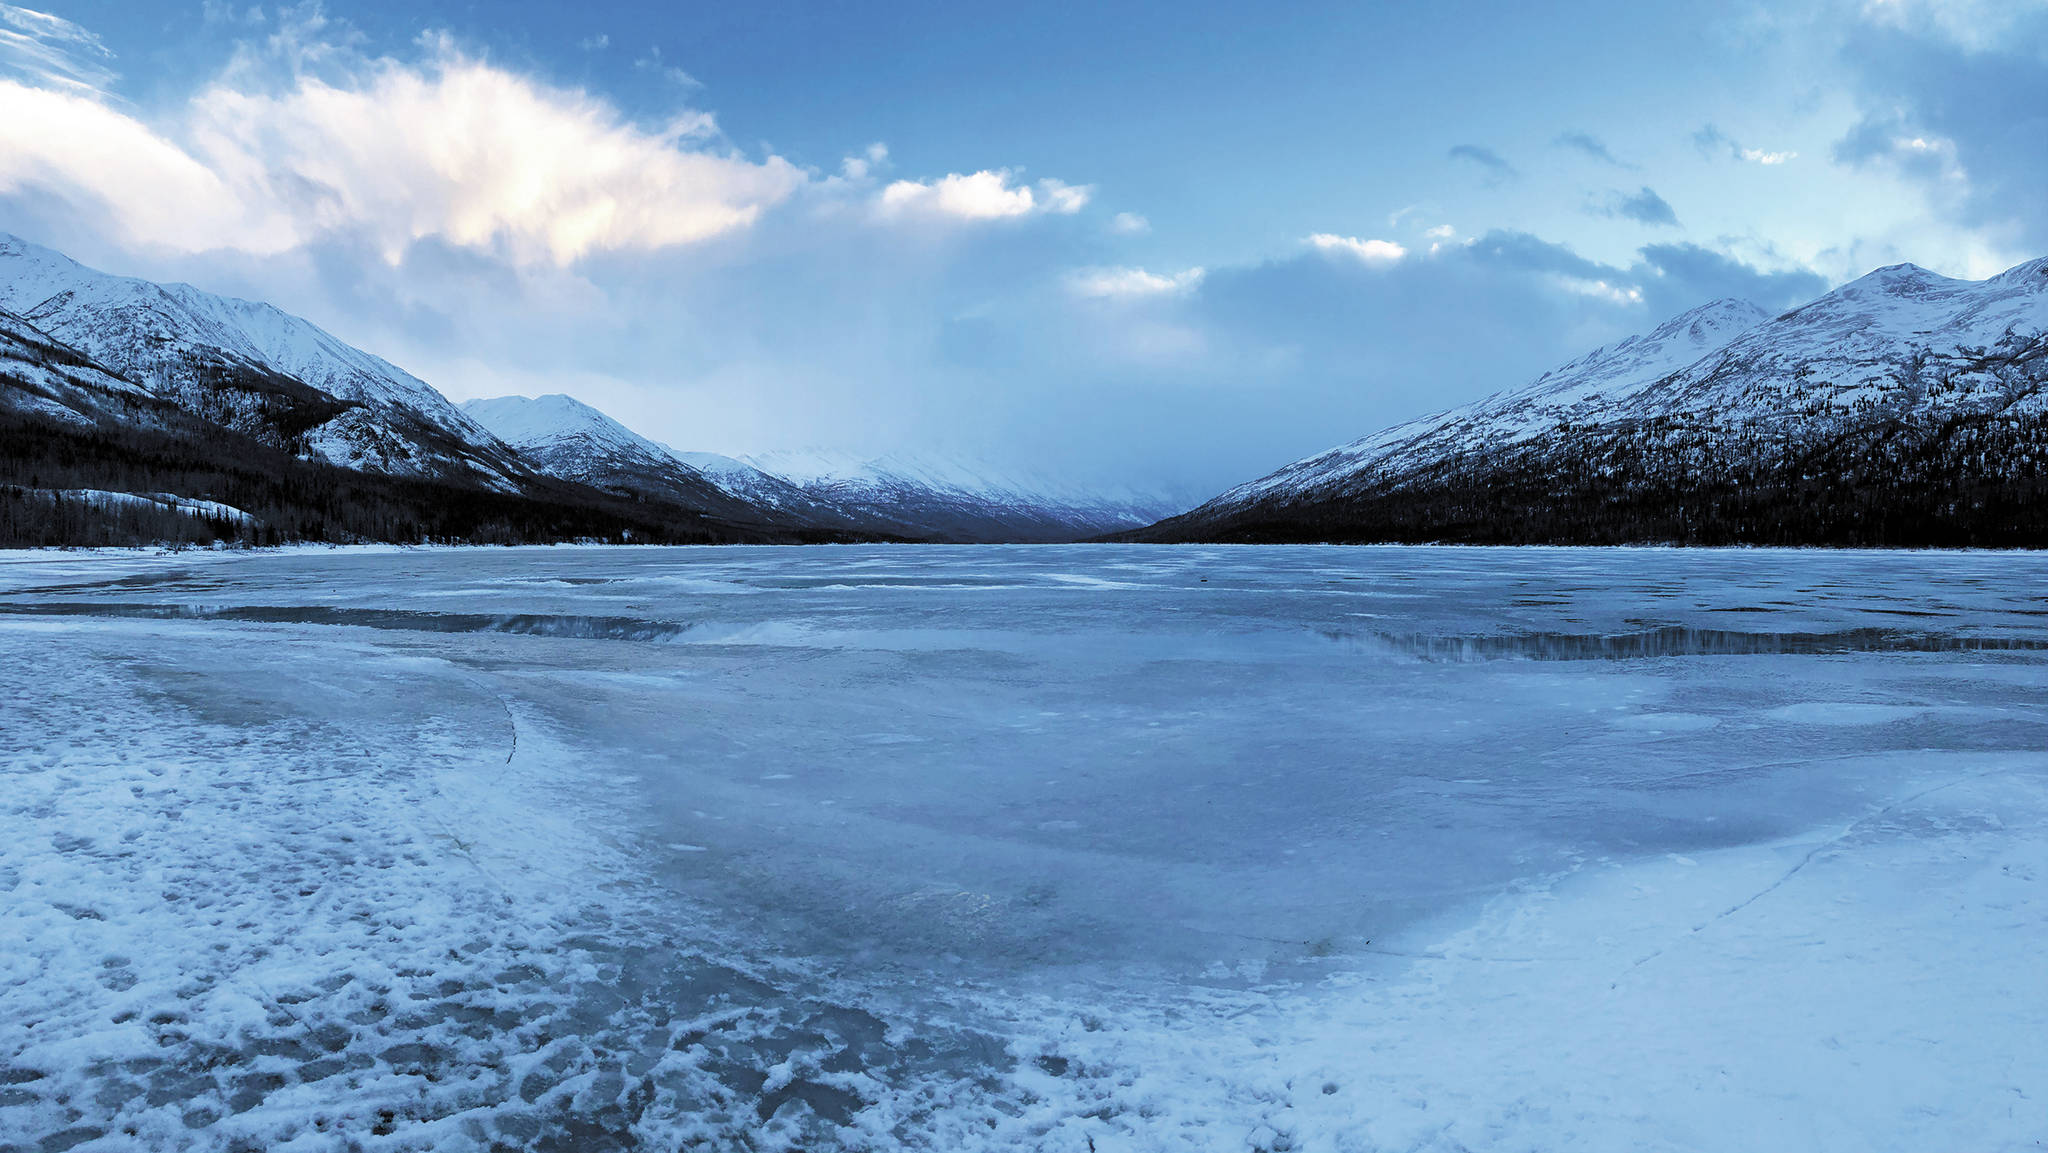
(131, 411)
(1902, 409)
(911, 497)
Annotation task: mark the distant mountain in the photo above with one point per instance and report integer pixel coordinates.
(903, 497)
(743, 480)
(565, 438)
(1902, 409)
(946, 499)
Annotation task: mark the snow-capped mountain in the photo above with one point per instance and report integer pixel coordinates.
(745, 481)
(563, 437)
(1603, 381)
(1902, 408)
(898, 496)
(134, 412)
(566, 438)
(950, 499)
(253, 368)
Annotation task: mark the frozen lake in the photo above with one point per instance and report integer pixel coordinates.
(1037, 848)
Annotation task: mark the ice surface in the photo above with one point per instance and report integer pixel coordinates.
(1038, 848)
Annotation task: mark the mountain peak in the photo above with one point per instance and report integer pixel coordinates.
(1711, 320)
(1899, 279)
(2032, 275)
(529, 422)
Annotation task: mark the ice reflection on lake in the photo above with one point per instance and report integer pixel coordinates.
(1080, 774)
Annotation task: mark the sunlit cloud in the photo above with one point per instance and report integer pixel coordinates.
(986, 195)
(304, 140)
(452, 149)
(1711, 142)
(1128, 283)
(1374, 252)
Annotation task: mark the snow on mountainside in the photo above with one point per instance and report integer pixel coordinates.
(245, 364)
(916, 498)
(743, 479)
(1881, 342)
(1902, 408)
(960, 500)
(565, 438)
(1595, 384)
(547, 427)
(41, 376)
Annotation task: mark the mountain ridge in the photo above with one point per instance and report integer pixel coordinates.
(230, 358)
(899, 495)
(1902, 408)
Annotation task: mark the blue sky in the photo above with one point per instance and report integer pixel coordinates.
(1155, 244)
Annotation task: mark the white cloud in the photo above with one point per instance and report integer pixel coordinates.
(1612, 293)
(151, 191)
(1378, 253)
(1129, 224)
(1129, 283)
(860, 167)
(985, 195)
(52, 51)
(1759, 156)
(481, 157)
(1063, 198)
(452, 149)
(1975, 25)
(303, 138)
(1441, 232)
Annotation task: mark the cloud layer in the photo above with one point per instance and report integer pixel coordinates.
(311, 144)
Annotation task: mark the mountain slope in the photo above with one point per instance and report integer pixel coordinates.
(253, 368)
(42, 377)
(743, 481)
(951, 500)
(132, 412)
(565, 438)
(896, 496)
(89, 457)
(1905, 408)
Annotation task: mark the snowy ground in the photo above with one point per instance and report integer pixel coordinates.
(1023, 848)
